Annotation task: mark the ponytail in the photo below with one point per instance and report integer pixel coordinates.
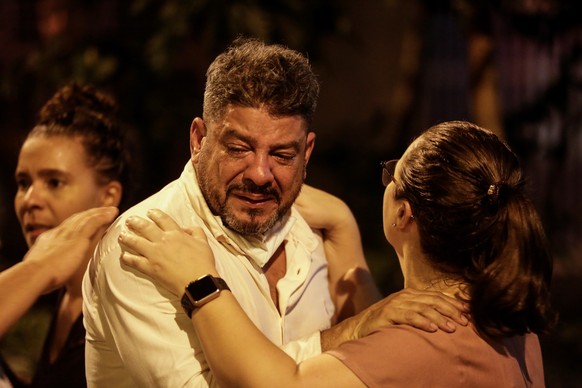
(510, 289)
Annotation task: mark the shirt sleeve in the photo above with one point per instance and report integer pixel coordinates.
(138, 327)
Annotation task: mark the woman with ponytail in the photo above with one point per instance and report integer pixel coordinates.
(457, 215)
(476, 227)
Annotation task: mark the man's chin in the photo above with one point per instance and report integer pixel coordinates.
(248, 229)
(255, 227)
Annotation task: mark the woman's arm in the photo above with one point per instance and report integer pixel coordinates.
(237, 352)
(49, 263)
(352, 286)
(240, 355)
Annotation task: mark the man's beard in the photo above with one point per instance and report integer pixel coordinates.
(252, 227)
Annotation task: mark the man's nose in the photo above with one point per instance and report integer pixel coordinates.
(259, 170)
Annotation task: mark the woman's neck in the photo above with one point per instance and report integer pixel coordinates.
(420, 274)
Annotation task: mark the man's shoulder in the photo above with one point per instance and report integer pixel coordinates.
(169, 199)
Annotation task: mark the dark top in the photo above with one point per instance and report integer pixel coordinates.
(68, 370)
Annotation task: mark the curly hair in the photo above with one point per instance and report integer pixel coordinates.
(477, 225)
(253, 74)
(82, 111)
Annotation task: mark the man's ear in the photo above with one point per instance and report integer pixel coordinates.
(111, 194)
(309, 145)
(197, 137)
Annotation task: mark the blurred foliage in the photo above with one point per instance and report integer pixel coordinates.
(153, 55)
(151, 49)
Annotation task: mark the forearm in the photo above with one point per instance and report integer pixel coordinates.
(338, 334)
(237, 352)
(351, 283)
(354, 292)
(20, 286)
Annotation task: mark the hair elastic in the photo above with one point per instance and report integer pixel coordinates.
(493, 191)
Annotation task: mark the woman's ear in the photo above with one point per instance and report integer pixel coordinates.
(111, 194)
(404, 214)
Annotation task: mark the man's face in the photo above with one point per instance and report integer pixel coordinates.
(251, 166)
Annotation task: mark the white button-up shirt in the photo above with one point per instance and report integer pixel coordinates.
(139, 336)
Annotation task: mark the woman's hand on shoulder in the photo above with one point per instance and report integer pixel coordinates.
(164, 251)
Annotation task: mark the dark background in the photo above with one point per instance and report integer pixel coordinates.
(388, 69)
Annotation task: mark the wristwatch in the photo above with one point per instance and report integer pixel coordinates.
(202, 291)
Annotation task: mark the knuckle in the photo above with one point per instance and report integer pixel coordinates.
(410, 315)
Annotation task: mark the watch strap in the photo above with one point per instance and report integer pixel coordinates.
(187, 305)
(187, 302)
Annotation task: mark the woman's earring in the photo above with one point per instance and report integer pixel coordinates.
(394, 225)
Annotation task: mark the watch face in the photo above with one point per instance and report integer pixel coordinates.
(202, 288)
